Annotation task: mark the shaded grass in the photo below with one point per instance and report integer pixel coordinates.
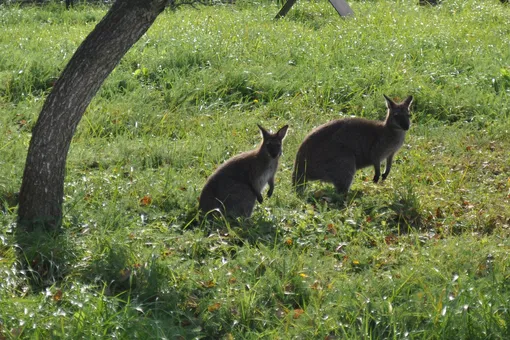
(423, 255)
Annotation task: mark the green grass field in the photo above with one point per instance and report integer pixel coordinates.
(423, 255)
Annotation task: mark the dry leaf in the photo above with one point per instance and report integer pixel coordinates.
(318, 193)
(391, 239)
(331, 229)
(191, 303)
(145, 201)
(208, 284)
(168, 252)
(124, 274)
(439, 212)
(281, 312)
(316, 285)
(331, 337)
(58, 295)
(214, 307)
(298, 313)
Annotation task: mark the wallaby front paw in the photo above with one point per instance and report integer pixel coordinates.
(376, 178)
(260, 199)
(384, 176)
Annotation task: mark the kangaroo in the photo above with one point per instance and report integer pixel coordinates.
(236, 184)
(334, 151)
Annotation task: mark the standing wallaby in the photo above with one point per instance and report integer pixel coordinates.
(236, 184)
(334, 151)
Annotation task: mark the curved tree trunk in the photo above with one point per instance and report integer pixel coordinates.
(42, 188)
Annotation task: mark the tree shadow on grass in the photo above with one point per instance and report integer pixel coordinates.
(237, 231)
(147, 284)
(403, 213)
(33, 261)
(231, 233)
(314, 20)
(153, 287)
(45, 258)
(332, 198)
(8, 200)
(262, 227)
(406, 212)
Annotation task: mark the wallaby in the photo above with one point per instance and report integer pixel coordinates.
(334, 151)
(236, 184)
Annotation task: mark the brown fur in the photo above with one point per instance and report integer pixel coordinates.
(334, 151)
(235, 186)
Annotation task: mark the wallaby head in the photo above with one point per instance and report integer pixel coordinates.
(398, 116)
(272, 142)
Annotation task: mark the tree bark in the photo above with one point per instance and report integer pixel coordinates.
(42, 188)
(285, 9)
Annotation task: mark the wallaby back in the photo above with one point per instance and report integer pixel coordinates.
(235, 186)
(334, 151)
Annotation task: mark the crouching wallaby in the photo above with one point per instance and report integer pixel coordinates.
(334, 151)
(237, 183)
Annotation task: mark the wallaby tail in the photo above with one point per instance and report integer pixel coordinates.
(298, 175)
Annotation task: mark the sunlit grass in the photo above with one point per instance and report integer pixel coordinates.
(423, 255)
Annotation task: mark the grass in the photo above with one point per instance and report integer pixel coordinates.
(424, 255)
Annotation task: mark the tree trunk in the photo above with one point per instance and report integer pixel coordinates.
(285, 9)
(42, 188)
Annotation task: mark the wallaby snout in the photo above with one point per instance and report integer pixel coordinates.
(333, 152)
(274, 149)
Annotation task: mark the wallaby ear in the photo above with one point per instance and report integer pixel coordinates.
(408, 101)
(282, 132)
(263, 131)
(389, 103)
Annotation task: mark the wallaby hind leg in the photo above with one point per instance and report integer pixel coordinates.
(342, 174)
(242, 209)
(240, 201)
(209, 203)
